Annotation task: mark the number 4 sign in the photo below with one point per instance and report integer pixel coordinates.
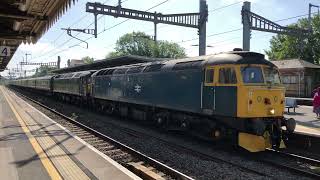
(4, 51)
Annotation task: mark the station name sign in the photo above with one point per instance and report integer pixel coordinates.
(5, 51)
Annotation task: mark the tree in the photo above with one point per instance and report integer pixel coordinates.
(114, 54)
(87, 60)
(138, 43)
(43, 71)
(166, 49)
(286, 47)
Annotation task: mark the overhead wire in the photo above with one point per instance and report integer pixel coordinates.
(97, 33)
(183, 41)
(238, 29)
(165, 25)
(223, 7)
(159, 4)
(106, 29)
(63, 32)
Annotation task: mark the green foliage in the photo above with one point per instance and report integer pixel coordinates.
(87, 60)
(286, 47)
(138, 43)
(165, 49)
(114, 54)
(43, 71)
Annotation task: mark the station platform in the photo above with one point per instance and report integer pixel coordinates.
(32, 146)
(307, 122)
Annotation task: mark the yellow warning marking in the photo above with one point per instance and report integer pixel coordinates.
(52, 171)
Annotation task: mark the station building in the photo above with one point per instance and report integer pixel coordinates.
(298, 76)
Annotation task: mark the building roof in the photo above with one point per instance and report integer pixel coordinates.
(294, 64)
(26, 21)
(110, 62)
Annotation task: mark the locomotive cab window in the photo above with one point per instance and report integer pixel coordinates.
(252, 75)
(271, 75)
(227, 76)
(209, 76)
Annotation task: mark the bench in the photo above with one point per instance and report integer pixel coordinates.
(291, 103)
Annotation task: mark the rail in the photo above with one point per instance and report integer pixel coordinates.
(307, 142)
(160, 166)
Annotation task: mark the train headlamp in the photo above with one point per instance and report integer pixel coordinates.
(272, 111)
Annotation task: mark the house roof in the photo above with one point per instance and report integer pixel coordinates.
(294, 64)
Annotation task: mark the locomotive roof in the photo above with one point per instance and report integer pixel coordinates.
(238, 57)
(233, 57)
(44, 77)
(73, 74)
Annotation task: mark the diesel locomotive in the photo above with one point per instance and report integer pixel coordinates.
(236, 94)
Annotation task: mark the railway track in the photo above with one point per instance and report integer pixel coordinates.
(298, 169)
(141, 164)
(72, 125)
(309, 167)
(303, 170)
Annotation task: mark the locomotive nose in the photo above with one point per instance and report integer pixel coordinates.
(263, 102)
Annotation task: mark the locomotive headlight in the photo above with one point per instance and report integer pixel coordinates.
(271, 111)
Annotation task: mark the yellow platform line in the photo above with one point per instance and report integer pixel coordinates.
(46, 162)
(62, 162)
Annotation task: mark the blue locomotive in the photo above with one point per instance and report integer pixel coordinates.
(235, 93)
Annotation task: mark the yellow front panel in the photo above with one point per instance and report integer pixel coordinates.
(259, 101)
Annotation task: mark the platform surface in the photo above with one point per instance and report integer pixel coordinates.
(32, 146)
(306, 119)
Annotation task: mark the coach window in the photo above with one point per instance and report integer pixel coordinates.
(209, 77)
(227, 76)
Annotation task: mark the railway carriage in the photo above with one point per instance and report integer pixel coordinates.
(44, 83)
(30, 83)
(72, 86)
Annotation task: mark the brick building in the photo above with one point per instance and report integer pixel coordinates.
(299, 77)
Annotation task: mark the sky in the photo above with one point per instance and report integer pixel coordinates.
(224, 28)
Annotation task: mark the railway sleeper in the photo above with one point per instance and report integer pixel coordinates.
(100, 145)
(112, 152)
(107, 148)
(123, 158)
(97, 141)
(87, 136)
(144, 171)
(91, 139)
(80, 132)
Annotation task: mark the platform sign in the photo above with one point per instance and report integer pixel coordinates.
(4, 51)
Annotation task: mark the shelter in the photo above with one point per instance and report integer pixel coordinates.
(299, 77)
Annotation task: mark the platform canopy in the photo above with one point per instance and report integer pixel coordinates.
(25, 21)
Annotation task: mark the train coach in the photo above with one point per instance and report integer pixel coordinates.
(44, 83)
(72, 86)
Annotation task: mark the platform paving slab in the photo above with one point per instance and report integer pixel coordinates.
(306, 119)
